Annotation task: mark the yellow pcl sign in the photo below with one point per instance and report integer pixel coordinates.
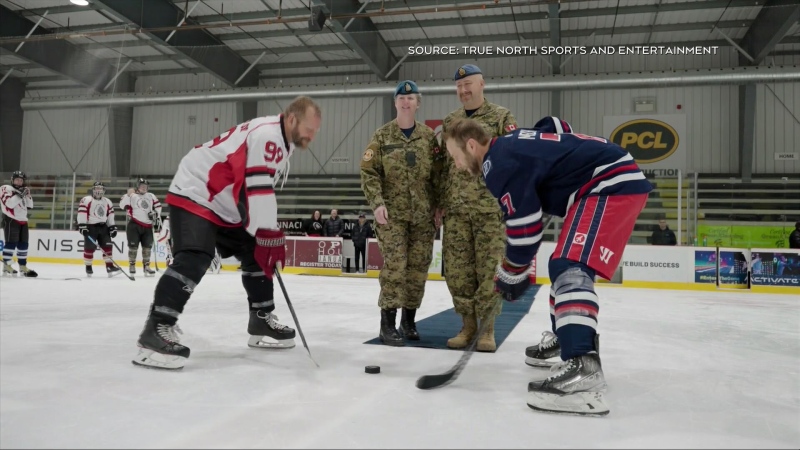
(647, 140)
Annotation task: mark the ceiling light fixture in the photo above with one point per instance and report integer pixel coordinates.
(80, 2)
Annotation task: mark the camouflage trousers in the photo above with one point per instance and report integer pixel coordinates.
(407, 250)
(472, 246)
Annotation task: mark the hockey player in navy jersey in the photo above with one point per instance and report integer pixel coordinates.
(600, 191)
(222, 198)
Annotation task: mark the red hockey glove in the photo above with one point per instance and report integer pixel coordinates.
(512, 280)
(270, 250)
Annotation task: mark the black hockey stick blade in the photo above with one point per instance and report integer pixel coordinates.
(294, 316)
(426, 382)
(110, 258)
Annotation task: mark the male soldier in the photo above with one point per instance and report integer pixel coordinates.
(398, 171)
(474, 236)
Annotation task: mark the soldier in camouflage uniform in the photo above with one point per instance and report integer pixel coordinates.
(399, 170)
(474, 233)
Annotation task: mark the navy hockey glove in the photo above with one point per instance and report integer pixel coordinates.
(112, 230)
(83, 229)
(512, 280)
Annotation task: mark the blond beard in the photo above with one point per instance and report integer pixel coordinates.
(473, 165)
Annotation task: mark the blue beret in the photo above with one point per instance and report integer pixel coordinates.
(465, 71)
(406, 87)
(551, 124)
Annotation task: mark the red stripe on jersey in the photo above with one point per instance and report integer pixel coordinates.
(529, 230)
(252, 192)
(146, 225)
(596, 180)
(197, 210)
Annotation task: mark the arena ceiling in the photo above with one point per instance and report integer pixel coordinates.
(242, 42)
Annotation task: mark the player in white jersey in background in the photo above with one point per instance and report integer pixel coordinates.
(96, 220)
(15, 201)
(143, 210)
(223, 197)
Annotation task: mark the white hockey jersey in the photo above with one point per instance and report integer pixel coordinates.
(139, 206)
(230, 180)
(92, 211)
(14, 206)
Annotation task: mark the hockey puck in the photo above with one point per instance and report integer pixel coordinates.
(372, 369)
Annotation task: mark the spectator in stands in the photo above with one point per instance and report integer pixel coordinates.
(360, 233)
(334, 226)
(314, 226)
(794, 238)
(663, 235)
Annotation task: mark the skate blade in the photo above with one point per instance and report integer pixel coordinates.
(269, 343)
(153, 360)
(542, 363)
(589, 404)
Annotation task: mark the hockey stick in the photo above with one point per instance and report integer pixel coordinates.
(294, 315)
(426, 382)
(110, 258)
(155, 240)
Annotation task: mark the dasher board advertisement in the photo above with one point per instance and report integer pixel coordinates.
(655, 141)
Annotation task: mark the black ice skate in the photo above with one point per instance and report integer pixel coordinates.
(26, 272)
(132, 268)
(159, 346)
(89, 271)
(388, 333)
(8, 270)
(576, 388)
(546, 353)
(148, 272)
(113, 271)
(266, 332)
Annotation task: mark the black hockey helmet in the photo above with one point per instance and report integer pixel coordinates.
(19, 174)
(140, 182)
(98, 189)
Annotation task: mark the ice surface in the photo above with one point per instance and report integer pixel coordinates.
(685, 370)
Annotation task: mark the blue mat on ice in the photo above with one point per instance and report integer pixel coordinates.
(438, 328)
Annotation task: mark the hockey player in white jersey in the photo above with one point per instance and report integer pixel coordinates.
(223, 196)
(15, 201)
(143, 210)
(96, 220)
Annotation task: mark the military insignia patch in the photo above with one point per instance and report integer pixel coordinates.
(408, 87)
(510, 127)
(461, 72)
(368, 155)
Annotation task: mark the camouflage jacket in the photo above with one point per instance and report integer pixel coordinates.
(459, 189)
(402, 173)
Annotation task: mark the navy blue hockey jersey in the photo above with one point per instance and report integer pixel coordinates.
(532, 172)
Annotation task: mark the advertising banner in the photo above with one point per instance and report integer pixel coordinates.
(771, 268)
(292, 227)
(641, 263)
(705, 266)
(655, 141)
(436, 125)
(319, 252)
(745, 236)
(733, 267)
(374, 257)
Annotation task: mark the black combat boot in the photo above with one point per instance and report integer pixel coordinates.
(407, 325)
(389, 334)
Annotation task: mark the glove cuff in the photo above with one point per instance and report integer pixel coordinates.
(270, 242)
(512, 274)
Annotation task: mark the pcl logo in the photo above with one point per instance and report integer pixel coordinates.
(647, 140)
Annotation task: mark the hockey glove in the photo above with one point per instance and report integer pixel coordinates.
(83, 229)
(270, 250)
(512, 280)
(112, 230)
